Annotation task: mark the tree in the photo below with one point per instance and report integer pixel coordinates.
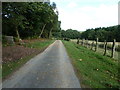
(104, 33)
(29, 19)
(72, 34)
(13, 15)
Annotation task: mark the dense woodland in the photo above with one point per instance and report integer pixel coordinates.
(30, 19)
(104, 33)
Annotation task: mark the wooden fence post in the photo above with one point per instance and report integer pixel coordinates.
(105, 49)
(104, 44)
(82, 42)
(92, 44)
(87, 43)
(113, 49)
(96, 47)
(78, 41)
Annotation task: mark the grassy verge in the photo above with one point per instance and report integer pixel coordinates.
(39, 44)
(9, 67)
(93, 69)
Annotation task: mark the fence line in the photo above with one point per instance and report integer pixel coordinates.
(93, 44)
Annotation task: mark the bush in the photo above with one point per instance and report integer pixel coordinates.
(16, 39)
(3, 39)
(67, 39)
(78, 41)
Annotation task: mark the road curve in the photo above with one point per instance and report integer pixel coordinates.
(50, 69)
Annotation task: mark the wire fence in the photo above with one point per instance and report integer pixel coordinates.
(111, 49)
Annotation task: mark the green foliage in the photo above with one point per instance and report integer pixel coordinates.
(38, 44)
(29, 18)
(16, 39)
(72, 34)
(108, 33)
(93, 69)
(67, 39)
(3, 39)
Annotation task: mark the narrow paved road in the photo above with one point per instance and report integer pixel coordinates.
(50, 69)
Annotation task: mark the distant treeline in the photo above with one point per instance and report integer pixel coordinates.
(72, 34)
(104, 33)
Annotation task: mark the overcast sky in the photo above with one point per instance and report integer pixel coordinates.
(84, 14)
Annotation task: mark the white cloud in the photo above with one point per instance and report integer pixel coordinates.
(71, 5)
(84, 14)
(89, 17)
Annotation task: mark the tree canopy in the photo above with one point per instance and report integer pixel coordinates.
(38, 19)
(29, 19)
(72, 34)
(104, 33)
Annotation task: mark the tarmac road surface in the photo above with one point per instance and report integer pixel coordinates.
(50, 69)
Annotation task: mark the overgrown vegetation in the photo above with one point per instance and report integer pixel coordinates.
(9, 67)
(93, 69)
(38, 44)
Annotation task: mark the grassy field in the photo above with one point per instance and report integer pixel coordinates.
(9, 67)
(93, 69)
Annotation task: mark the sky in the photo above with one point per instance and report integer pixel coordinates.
(85, 14)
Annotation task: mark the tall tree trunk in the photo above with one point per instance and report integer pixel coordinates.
(50, 32)
(42, 30)
(17, 33)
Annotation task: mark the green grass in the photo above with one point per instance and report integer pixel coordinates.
(38, 44)
(108, 53)
(93, 69)
(9, 67)
(109, 46)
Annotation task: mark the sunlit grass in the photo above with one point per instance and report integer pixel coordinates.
(109, 50)
(38, 44)
(93, 69)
